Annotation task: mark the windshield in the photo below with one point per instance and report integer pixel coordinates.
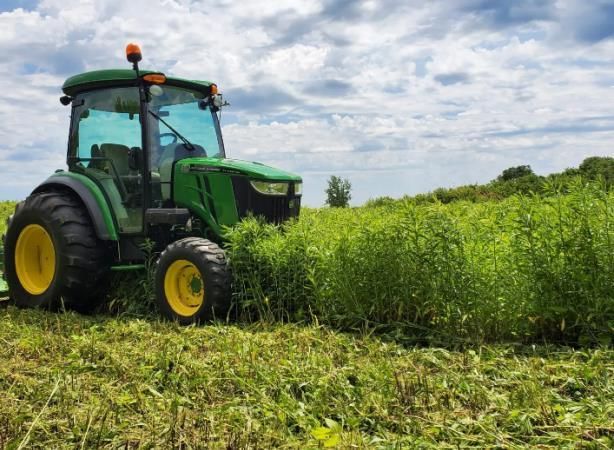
(181, 126)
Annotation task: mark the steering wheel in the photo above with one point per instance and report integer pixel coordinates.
(173, 135)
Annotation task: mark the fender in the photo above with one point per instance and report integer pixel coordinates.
(91, 196)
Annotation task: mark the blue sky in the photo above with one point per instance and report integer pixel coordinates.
(398, 96)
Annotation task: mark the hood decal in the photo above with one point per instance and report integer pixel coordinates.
(203, 168)
(235, 167)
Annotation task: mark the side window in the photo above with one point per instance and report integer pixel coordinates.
(106, 145)
(104, 127)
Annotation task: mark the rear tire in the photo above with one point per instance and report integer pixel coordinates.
(52, 253)
(192, 281)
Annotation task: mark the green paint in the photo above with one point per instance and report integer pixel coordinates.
(98, 196)
(106, 78)
(189, 192)
(196, 285)
(223, 198)
(190, 187)
(254, 170)
(127, 267)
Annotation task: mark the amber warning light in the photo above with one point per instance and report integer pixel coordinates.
(155, 78)
(133, 53)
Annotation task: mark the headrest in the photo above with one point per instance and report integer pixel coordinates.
(112, 150)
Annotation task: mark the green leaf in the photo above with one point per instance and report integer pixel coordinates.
(332, 441)
(321, 433)
(330, 423)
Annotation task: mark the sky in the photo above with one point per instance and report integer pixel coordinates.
(398, 96)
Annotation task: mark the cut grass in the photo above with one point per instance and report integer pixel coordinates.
(68, 381)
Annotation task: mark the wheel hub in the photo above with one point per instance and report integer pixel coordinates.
(183, 286)
(35, 259)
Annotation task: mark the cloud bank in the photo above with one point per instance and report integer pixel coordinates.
(398, 96)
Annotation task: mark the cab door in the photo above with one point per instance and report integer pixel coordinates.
(106, 145)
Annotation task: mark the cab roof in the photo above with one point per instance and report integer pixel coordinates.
(115, 77)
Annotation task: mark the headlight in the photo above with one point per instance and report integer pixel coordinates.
(268, 188)
(298, 188)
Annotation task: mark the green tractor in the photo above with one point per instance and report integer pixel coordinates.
(146, 166)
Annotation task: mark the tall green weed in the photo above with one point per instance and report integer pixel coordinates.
(526, 268)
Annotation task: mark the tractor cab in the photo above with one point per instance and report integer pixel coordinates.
(130, 149)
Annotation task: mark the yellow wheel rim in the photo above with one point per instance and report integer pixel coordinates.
(184, 287)
(35, 259)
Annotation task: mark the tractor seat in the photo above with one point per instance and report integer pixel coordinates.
(175, 152)
(117, 153)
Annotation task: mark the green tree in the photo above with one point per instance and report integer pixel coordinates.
(338, 192)
(597, 166)
(515, 172)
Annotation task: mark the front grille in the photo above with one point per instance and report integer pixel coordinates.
(275, 209)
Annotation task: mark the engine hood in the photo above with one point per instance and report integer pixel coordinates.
(251, 169)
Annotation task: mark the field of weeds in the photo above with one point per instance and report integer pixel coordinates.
(6, 209)
(525, 269)
(398, 326)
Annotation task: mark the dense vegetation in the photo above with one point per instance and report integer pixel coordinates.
(6, 209)
(514, 181)
(530, 269)
(524, 269)
(69, 381)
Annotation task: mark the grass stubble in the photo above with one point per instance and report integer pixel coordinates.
(69, 381)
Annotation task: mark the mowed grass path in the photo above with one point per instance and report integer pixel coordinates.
(69, 381)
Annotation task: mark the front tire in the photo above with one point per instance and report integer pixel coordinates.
(52, 253)
(193, 281)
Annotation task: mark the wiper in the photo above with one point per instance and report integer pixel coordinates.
(187, 143)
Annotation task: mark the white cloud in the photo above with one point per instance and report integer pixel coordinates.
(400, 97)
